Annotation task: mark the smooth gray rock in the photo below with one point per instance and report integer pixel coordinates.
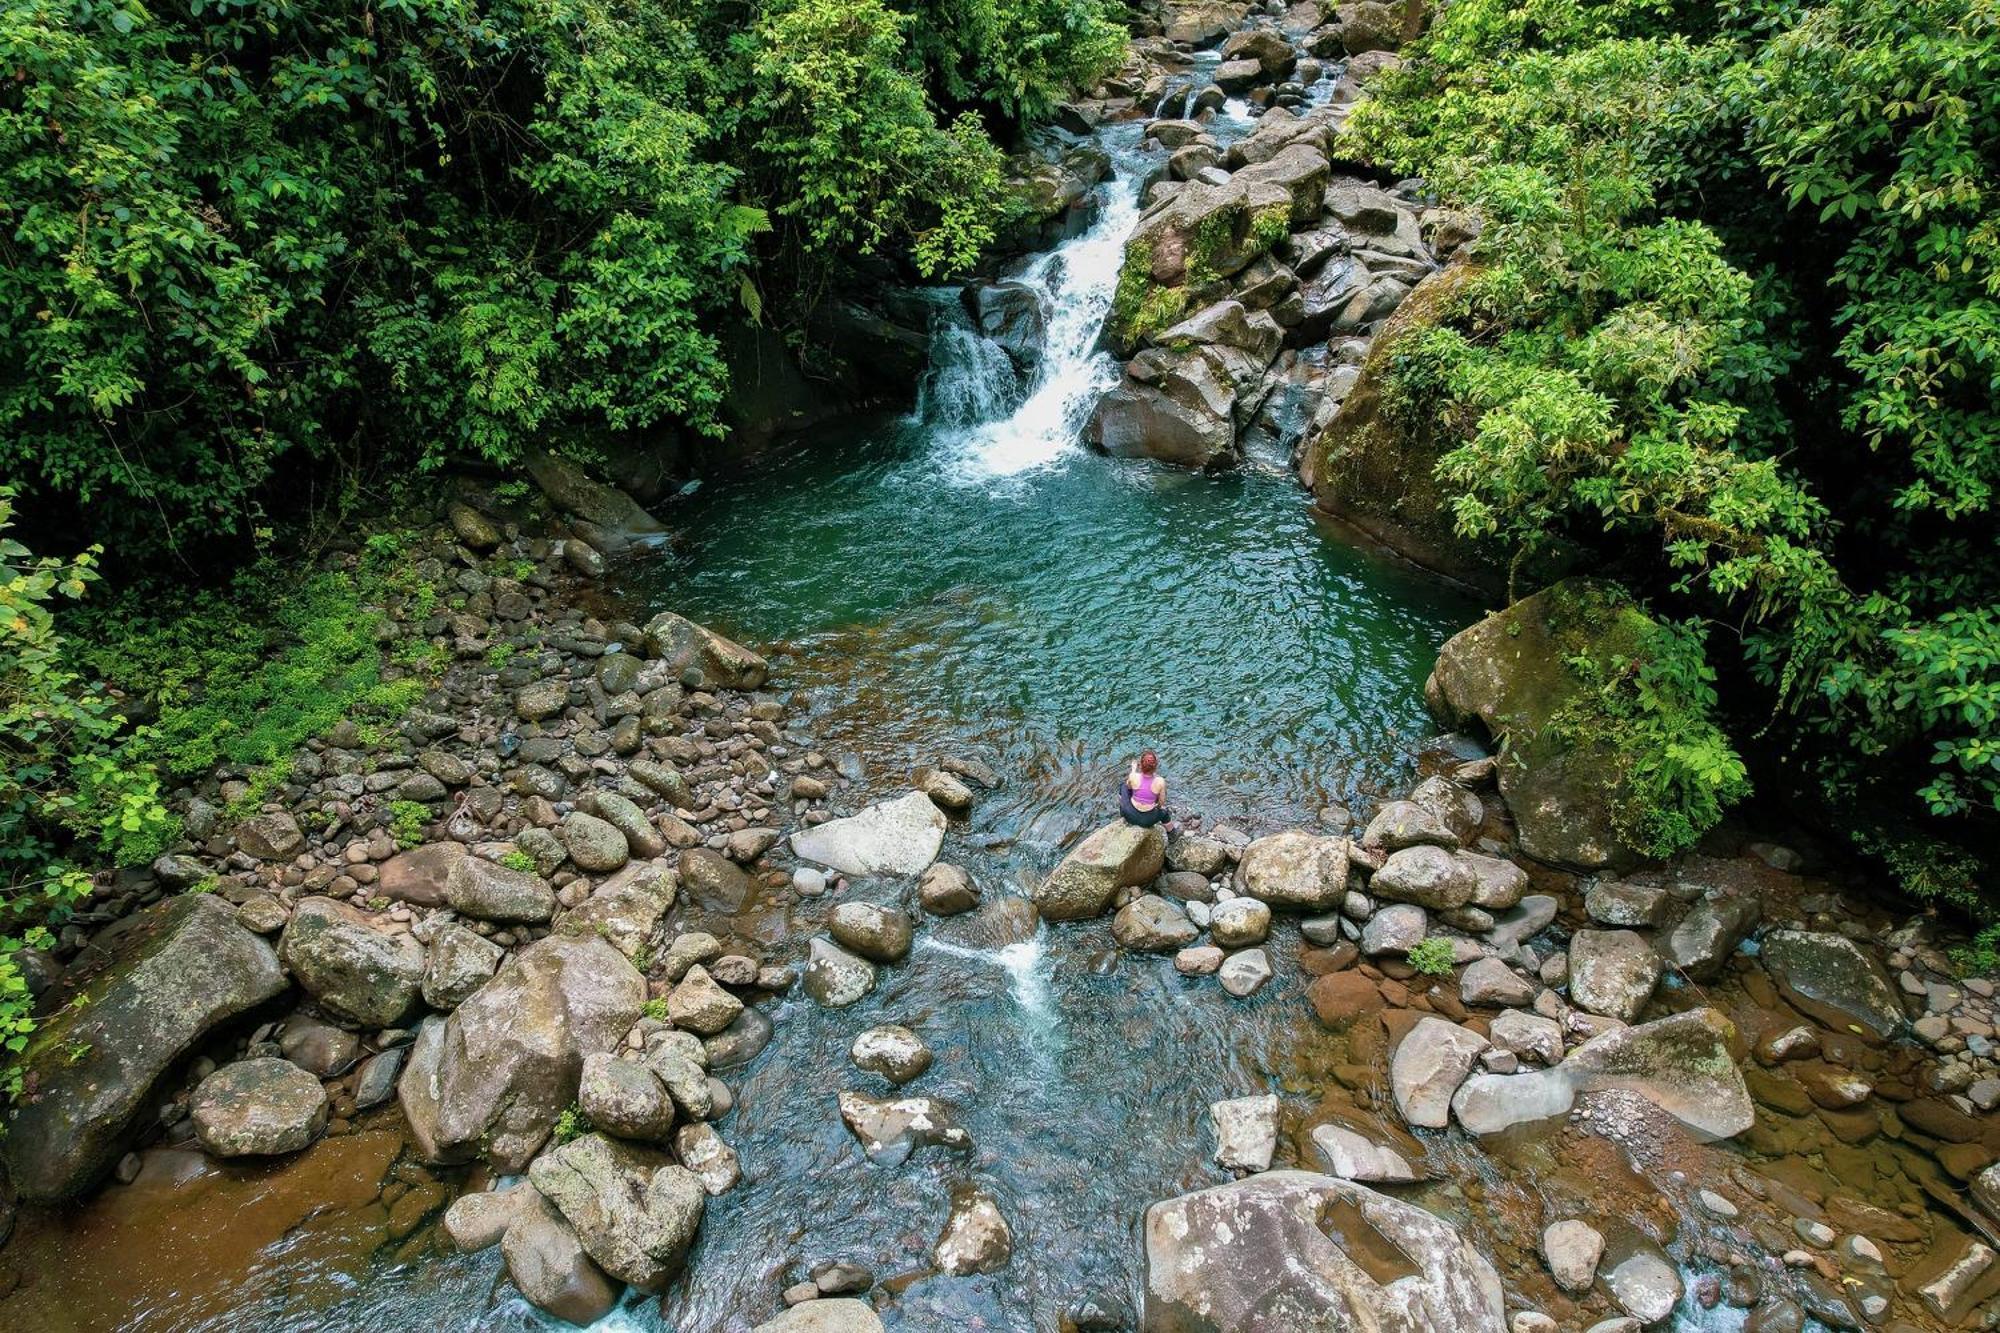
(1113, 857)
(1429, 1064)
(1294, 871)
(1256, 1254)
(494, 1076)
(368, 976)
(1351, 1156)
(488, 891)
(258, 1108)
(879, 934)
(899, 837)
(459, 963)
(1681, 1064)
(1834, 979)
(1612, 972)
(889, 1129)
(1152, 924)
(835, 977)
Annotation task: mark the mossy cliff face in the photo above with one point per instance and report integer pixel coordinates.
(1375, 467)
(1513, 675)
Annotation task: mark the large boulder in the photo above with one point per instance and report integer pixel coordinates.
(1515, 674)
(1294, 871)
(356, 971)
(144, 999)
(546, 1260)
(1835, 979)
(495, 1075)
(633, 1209)
(879, 934)
(1182, 413)
(626, 909)
(1375, 468)
(1267, 46)
(1152, 924)
(834, 977)
(1013, 314)
(681, 644)
(1702, 941)
(1114, 857)
(1208, 232)
(1682, 1064)
(418, 875)
(258, 1108)
(1612, 972)
(1427, 876)
(1430, 1062)
(594, 844)
(458, 964)
(488, 891)
(899, 837)
(612, 519)
(889, 1129)
(1298, 1250)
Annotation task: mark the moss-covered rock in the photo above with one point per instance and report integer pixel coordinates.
(172, 973)
(1516, 674)
(1374, 466)
(1185, 248)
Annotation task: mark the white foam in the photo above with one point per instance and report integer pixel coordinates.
(1042, 429)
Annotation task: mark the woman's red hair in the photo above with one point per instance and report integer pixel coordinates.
(1148, 762)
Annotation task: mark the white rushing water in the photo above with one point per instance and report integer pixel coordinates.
(987, 427)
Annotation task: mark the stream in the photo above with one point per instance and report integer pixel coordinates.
(969, 580)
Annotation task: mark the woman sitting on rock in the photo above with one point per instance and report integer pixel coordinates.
(1142, 797)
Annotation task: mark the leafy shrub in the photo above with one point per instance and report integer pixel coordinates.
(571, 1125)
(1432, 956)
(65, 787)
(1735, 330)
(656, 1008)
(518, 860)
(406, 822)
(249, 239)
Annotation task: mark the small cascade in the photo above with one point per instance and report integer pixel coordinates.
(971, 379)
(986, 426)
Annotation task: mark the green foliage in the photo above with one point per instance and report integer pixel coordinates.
(1432, 956)
(64, 785)
(245, 676)
(1735, 328)
(249, 240)
(571, 1125)
(406, 822)
(1021, 56)
(518, 860)
(1655, 709)
(655, 1008)
(851, 131)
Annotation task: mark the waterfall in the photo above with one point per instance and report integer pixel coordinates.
(985, 424)
(970, 379)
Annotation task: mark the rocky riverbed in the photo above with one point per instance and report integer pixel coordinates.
(604, 974)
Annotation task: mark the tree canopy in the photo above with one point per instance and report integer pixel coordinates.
(1739, 330)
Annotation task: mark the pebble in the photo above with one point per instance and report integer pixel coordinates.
(1717, 1205)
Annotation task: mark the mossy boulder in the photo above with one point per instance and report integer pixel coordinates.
(1185, 248)
(1374, 467)
(1514, 673)
(170, 975)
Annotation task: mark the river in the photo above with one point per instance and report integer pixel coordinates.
(969, 580)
